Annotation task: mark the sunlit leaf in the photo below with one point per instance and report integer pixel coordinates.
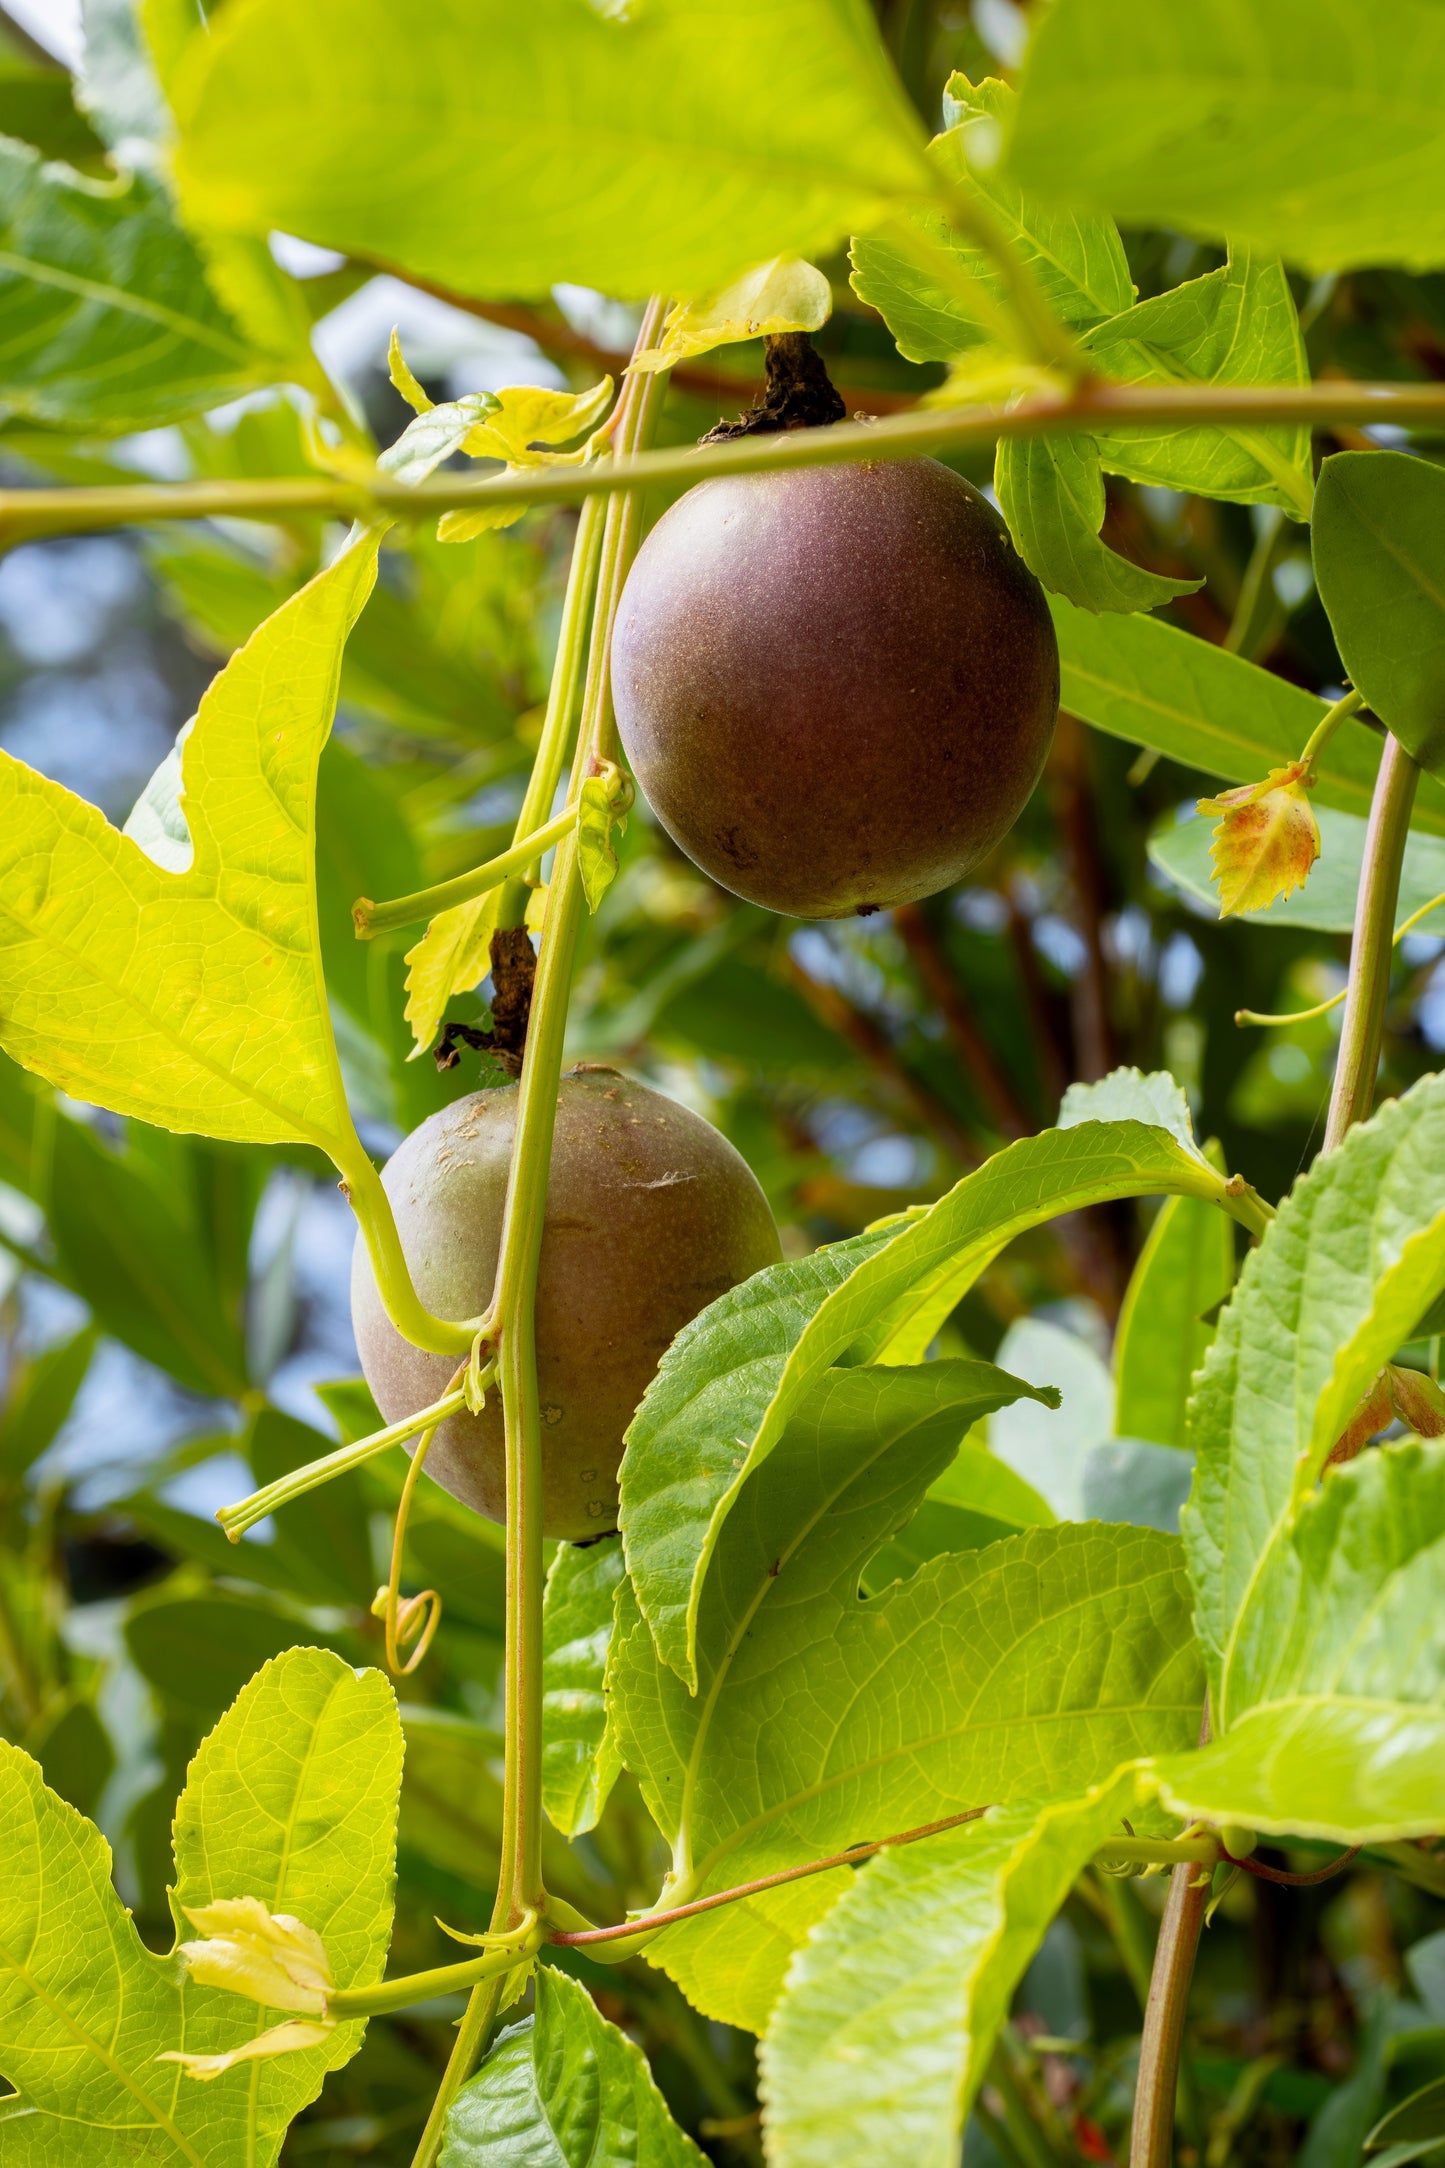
(194, 1000)
(1265, 841)
(882, 2036)
(1185, 1270)
(309, 1747)
(580, 1762)
(1333, 1690)
(784, 294)
(470, 141)
(1247, 119)
(729, 1383)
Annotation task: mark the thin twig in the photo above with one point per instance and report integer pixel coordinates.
(1295, 1881)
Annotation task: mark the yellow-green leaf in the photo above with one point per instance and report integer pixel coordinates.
(452, 956)
(784, 294)
(1266, 841)
(402, 378)
(192, 998)
(598, 815)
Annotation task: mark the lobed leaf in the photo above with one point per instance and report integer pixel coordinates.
(1303, 128)
(580, 1762)
(564, 2089)
(882, 2035)
(193, 999)
(730, 1381)
(1378, 539)
(1354, 1259)
(1154, 685)
(109, 322)
(736, 130)
(292, 1799)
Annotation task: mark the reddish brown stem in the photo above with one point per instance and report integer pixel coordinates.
(851, 1858)
(1294, 1881)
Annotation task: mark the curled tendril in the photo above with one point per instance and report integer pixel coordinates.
(409, 1619)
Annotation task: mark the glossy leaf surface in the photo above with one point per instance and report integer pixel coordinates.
(1378, 538)
(580, 1763)
(736, 130)
(1245, 118)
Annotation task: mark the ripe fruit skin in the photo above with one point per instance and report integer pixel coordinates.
(651, 1214)
(836, 685)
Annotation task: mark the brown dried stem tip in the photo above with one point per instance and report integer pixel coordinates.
(798, 394)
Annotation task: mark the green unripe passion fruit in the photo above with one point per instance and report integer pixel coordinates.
(836, 685)
(650, 1216)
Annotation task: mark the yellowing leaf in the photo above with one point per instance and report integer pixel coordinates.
(401, 376)
(987, 375)
(193, 998)
(784, 294)
(1266, 841)
(524, 418)
(452, 956)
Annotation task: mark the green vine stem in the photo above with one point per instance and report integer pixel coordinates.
(412, 1319)
(1325, 729)
(519, 1881)
(1373, 944)
(26, 514)
(247, 1512)
(414, 1987)
(371, 918)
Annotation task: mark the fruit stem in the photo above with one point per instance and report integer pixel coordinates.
(1372, 947)
(563, 693)
(424, 903)
(519, 1879)
(246, 1512)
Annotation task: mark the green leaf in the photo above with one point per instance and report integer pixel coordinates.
(1236, 325)
(580, 1762)
(1185, 1270)
(40, 1395)
(1314, 137)
(74, 1751)
(1051, 492)
(134, 1252)
(292, 1799)
(598, 820)
(1354, 1259)
(1078, 263)
(1208, 709)
(736, 130)
(1329, 901)
(978, 1499)
(1333, 1694)
(110, 324)
(730, 1381)
(564, 2089)
(1132, 1095)
(883, 2033)
(118, 86)
(199, 1651)
(947, 1691)
(322, 1543)
(1421, 2116)
(1379, 552)
(194, 1000)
